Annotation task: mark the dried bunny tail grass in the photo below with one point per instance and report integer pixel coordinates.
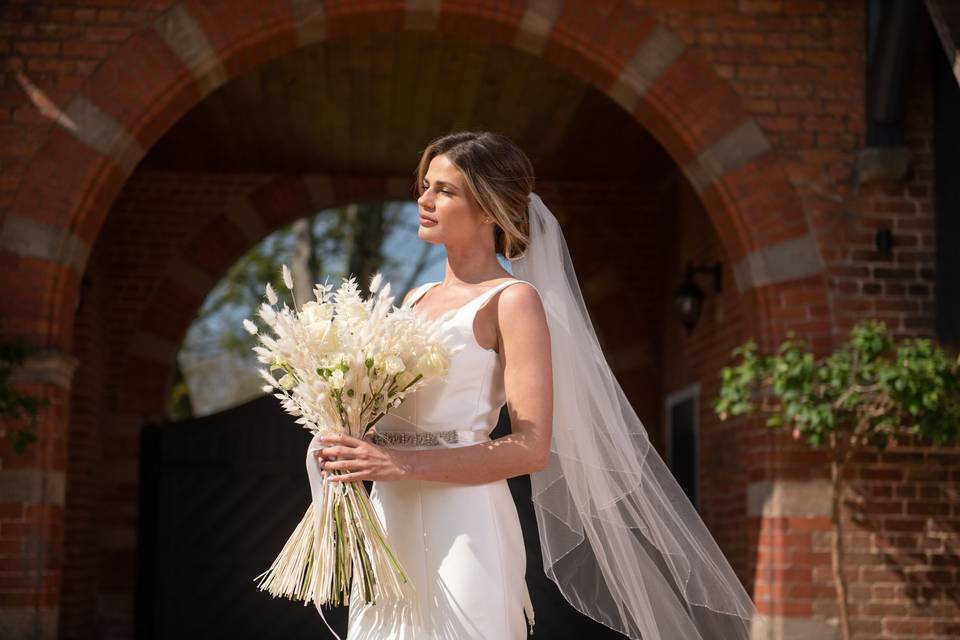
(307, 567)
(286, 574)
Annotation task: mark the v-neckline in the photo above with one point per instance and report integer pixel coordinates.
(456, 310)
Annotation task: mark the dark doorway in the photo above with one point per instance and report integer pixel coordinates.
(682, 444)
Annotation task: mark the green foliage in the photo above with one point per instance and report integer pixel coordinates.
(865, 392)
(16, 406)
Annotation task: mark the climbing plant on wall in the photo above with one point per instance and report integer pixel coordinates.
(867, 394)
(18, 410)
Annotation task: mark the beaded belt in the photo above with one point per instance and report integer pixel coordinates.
(429, 438)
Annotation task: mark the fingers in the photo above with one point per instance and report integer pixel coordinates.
(329, 452)
(340, 465)
(346, 449)
(346, 477)
(339, 452)
(340, 438)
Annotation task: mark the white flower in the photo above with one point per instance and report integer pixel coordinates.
(394, 364)
(269, 378)
(432, 364)
(404, 378)
(288, 382)
(267, 313)
(287, 277)
(271, 294)
(250, 327)
(313, 312)
(352, 311)
(336, 379)
(375, 282)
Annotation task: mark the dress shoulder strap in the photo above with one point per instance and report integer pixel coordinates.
(477, 302)
(422, 289)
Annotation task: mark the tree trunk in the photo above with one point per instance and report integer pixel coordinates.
(837, 549)
(180, 403)
(302, 263)
(366, 252)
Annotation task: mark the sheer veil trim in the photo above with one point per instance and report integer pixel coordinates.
(618, 535)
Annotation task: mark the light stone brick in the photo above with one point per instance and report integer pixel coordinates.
(782, 262)
(187, 39)
(789, 498)
(98, 130)
(652, 58)
(535, 26)
(310, 21)
(32, 486)
(736, 148)
(47, 366)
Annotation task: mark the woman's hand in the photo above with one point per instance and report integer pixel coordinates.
(355, 459)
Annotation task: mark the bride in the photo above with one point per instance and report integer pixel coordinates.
(618, 535)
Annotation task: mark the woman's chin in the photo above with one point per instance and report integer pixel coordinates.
(426, 233)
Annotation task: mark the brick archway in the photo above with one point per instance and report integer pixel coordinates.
(161, 72)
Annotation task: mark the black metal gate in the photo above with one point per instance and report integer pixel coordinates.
(219, 497)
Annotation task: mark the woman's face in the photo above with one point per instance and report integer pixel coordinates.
(448, 212)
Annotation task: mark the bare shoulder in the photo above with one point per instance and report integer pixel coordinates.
(521, 310)
(517, 315)
(523, 328)
(520, 297)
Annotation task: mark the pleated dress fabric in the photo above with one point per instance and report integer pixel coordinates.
(460, 544)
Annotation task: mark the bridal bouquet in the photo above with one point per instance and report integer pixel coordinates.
(343, 363)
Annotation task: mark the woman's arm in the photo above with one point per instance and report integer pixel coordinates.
(528, 381)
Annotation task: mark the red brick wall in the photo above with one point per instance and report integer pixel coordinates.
(725, 449)
(615, 234)
(902, 566)
(803, 81)
(796, 68)
(50, 50)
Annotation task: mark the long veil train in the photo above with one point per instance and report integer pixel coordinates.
(618, 535)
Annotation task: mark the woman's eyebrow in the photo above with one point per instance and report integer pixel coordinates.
(441, 182)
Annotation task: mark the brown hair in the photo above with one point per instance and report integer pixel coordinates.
(500, 177)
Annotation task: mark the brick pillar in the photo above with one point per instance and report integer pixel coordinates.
(32, 489)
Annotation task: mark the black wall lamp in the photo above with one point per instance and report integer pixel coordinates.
(689, 296)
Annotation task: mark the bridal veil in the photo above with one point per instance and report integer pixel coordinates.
(618, 535)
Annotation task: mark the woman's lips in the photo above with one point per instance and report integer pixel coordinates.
(427, 222)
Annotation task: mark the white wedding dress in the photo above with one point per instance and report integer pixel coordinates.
(460, 544)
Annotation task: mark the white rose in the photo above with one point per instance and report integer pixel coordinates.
(394, 365)
(336, 379)
(313, 312)
(404, 378)
(432, 364)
